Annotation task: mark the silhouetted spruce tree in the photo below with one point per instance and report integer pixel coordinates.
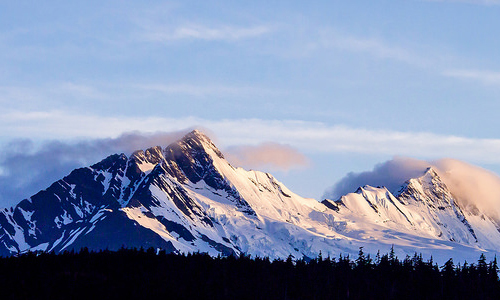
(149, 273)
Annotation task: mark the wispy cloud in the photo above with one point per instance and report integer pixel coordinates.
(427, 58)
(246, 139)
(482, 76)
(159, 33)
(52, 95)
(376, 47)
(444, 64)
(82, 90)
(204, 90)
(266, 156)
(68, 95)
(65, 125)
(303, 135)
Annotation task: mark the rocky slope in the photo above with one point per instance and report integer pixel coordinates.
(187, 198)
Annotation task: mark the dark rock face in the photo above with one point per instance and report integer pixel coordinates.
(70, 202)
(331, 204)
(189, 156)
(125, 233)
(85, 208)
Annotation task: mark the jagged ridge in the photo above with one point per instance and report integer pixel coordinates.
(188, 198)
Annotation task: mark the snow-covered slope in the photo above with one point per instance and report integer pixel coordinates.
(423, 207)
(187, 197)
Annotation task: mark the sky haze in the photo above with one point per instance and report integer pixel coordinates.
(339, 85)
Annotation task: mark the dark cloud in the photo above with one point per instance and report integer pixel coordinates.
(26, 168)
(391, 174)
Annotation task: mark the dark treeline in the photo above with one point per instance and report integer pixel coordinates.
(130, 273)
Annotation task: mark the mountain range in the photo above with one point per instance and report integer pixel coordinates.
(187, 198)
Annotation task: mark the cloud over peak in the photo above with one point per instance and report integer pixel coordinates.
(471, 185)
(26, 168)
(391, 174)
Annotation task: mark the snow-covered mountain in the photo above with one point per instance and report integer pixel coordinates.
(187, 198)
(424, 207)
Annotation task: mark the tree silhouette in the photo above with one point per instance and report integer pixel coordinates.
(152, 273)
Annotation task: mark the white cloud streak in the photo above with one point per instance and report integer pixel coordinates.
(201, 32)
(66, 94)
(485, 77)
(207, 90)
(307, 136)
(374, 46)
(419, 56)
(51, 95)
(82, 90)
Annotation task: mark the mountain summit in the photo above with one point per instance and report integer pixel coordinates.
(182, 198)
(187, 198)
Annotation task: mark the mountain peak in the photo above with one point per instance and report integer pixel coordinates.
(197, 135)
(430, 179)
(430, 171)
(429, 188)
(196, 140)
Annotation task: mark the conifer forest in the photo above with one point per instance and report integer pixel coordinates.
(130, 273)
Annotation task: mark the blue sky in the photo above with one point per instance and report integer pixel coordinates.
(348, 84)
